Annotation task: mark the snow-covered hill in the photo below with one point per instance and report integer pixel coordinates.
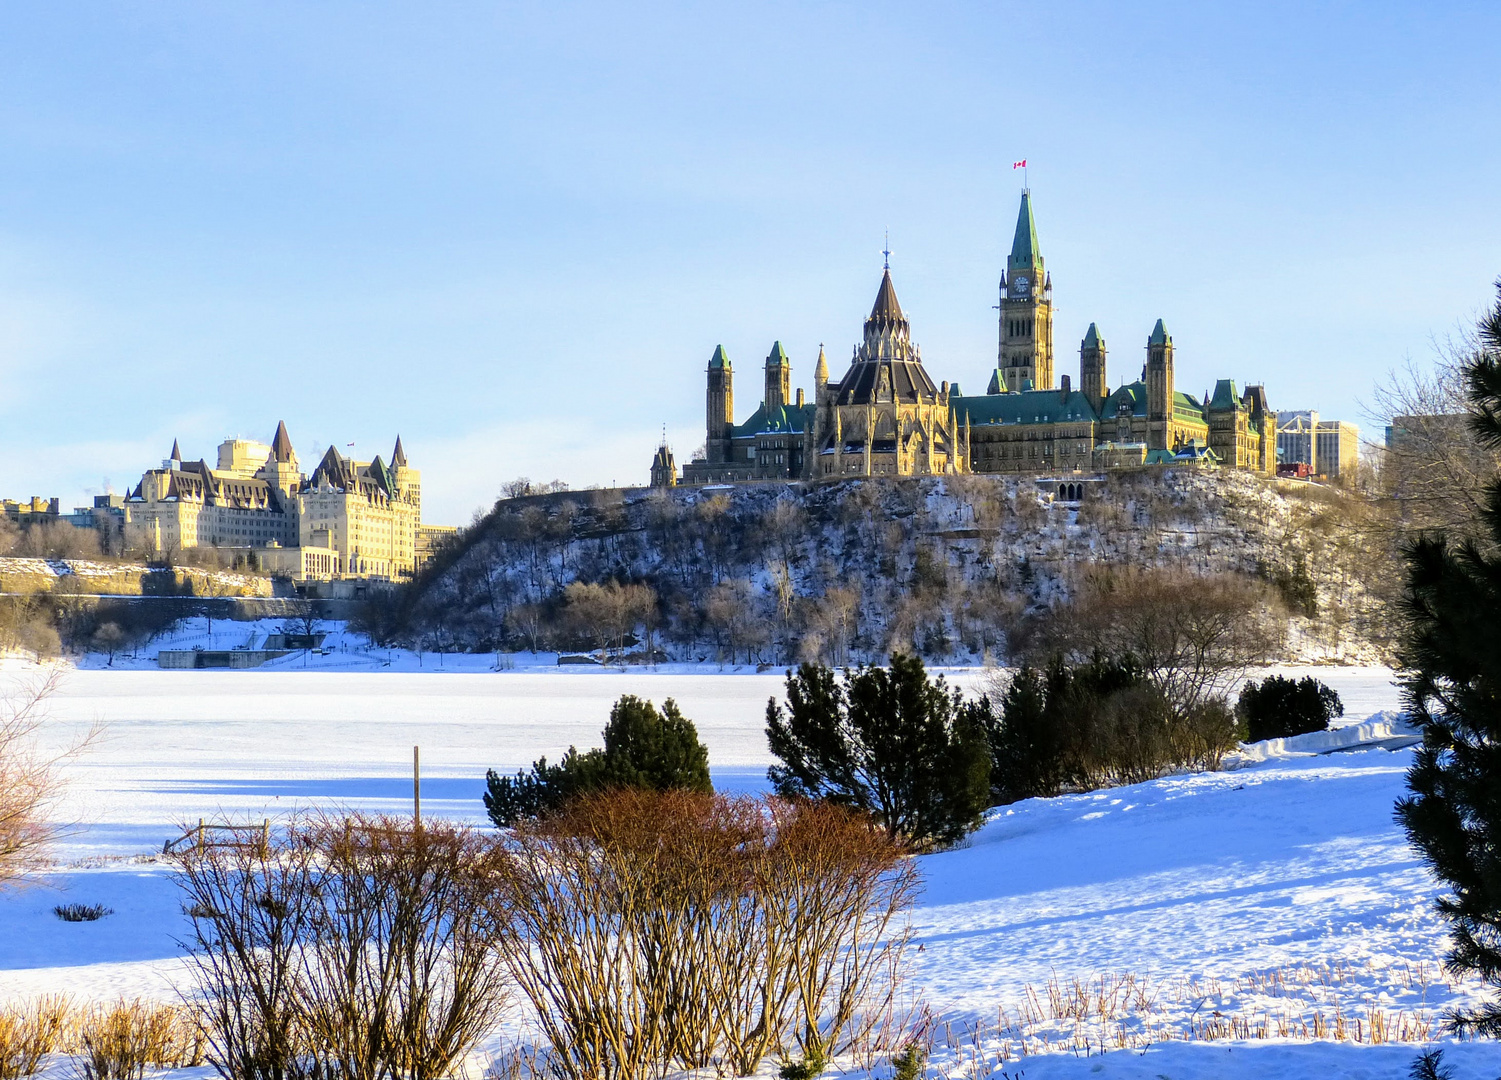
(948, 567)
(1271, 914)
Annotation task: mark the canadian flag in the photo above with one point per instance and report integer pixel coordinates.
(1022, 164)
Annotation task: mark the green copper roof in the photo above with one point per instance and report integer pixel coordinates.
(997, 383)
(1026, 407)
(1024, 247)
(1159, 335)
(720, 359)
(788, 418)
(1133, 394)
(1092, 339)
(1225, 396)
(1185, 406)
(954, 390)
(778, 357)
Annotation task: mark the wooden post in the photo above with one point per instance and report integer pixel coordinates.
(200, 836)
(417, 786)
(265, 838)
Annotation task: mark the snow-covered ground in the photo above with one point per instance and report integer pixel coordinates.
(1269, 899)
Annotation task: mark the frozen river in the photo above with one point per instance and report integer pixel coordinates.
(174, 746)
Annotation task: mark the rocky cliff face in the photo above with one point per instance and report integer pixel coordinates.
(33, 576)
(951, 567)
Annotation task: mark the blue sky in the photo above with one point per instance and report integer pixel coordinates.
(515, 233)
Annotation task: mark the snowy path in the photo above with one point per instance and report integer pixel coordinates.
(1280, 888)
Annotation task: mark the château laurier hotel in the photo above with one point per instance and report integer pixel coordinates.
(349, 519)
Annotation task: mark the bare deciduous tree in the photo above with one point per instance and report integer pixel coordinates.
(1434, 472)
(1193, 635)
(29, 783)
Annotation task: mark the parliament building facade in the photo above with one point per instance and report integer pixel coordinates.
(887, 417)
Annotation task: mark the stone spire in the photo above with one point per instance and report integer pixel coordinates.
(886, 310)
(176, 453)
(821, 369)
(398, 456)
(1024, 250)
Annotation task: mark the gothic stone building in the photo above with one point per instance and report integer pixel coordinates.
(886, 416)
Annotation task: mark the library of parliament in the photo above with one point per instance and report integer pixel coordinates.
(886, 416)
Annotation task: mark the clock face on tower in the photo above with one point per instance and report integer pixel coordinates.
(1020, 285)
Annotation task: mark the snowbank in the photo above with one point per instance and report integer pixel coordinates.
(1389, 729)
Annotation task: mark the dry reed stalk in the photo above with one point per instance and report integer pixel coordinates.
(29, 1031)
(120, 1041)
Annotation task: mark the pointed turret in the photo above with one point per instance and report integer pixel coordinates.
(1159, 335)
(778, 378)
(176, 453)
(1093, 382)
(281, 445)
(398, 456)
(720, 359)
(997, 382)
(820, 371)
(1024, 251)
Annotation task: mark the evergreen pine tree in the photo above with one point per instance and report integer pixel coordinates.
(888, 741)
(1277, 707)
(643, 748)
(1453, 685)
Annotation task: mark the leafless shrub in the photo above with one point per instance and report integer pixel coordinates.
(31, 1030)
(359, 945)
(652, 930)
(252, 914)
(27, 624)
(404, 978)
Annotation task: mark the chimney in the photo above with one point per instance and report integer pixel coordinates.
(799, 397)
(1065, 390)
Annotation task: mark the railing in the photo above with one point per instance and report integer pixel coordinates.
(204, 836)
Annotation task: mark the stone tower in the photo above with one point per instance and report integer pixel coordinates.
(1093, 382)
(1159, 387)
(778, 378)
(1026, 326)
(720, 409)
(408, 480)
